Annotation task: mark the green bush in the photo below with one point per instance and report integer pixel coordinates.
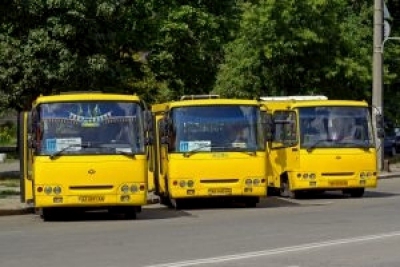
(8, 134)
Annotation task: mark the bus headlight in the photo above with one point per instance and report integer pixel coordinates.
(57, 190)
(48, 190)
(134, 188)
(256, 181)
(249, 182)
(182, 183)
(125, 189)
(190, 183)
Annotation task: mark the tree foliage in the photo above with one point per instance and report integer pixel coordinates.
(299, 47)
(163, 49)
(52, 45)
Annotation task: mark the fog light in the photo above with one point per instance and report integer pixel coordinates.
(248, 190)
(190, 191)
(313, 183)
(362, 182)
(57, 199)
(125, 198)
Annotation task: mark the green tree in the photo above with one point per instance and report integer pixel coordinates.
(300, 47)
(52, 45)
(189, 43)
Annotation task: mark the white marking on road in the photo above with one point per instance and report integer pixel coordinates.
(276, 251)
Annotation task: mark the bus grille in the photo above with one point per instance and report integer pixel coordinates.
(337, 173)
(212, 181)
(91, 187)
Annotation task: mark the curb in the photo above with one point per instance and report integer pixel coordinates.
(21, 211)
(388, 176)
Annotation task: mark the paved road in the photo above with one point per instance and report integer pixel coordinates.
(332, 231)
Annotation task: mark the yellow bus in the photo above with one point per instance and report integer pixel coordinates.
(320, 145)
(84, 150)
(197, 155)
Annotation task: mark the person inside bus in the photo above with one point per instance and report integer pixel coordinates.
(238, 135)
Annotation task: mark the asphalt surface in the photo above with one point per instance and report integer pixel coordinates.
(328, 230)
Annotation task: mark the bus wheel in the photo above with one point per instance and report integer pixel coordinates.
(285, 189)
(178, 204)
(166, 201)
(48, 214)
(130, 213)
(355, 193)
(252, 202)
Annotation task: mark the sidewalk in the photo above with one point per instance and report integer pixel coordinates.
(10, 203)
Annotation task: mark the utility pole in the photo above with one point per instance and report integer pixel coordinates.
(377, 78)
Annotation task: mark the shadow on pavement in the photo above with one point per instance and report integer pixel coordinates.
(215, 204)
(156, 213)
(377, 194)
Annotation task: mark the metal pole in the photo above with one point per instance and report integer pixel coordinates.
(377, 78)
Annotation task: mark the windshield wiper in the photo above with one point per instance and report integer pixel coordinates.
(316, 143)
(60, 152)
(125, 153)
(354, 143)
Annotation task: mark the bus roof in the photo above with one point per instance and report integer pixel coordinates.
(298, 104)
(203, 102)
(86, 96)
(294, 97)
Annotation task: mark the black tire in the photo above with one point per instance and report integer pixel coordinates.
(166, 201)
(285, 189)
(130, 213)
(178, 204)
(48, 214)
(252, 202)
(357, 193)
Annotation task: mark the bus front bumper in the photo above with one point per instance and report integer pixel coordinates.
(332, 184)
(209, 192)
(90, 200)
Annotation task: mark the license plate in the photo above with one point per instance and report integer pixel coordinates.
(91, 199)
(219, 191)
(338, 183)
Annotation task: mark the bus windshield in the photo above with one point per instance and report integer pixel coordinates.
(90, 127)
(335, 127)
(216, 128)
